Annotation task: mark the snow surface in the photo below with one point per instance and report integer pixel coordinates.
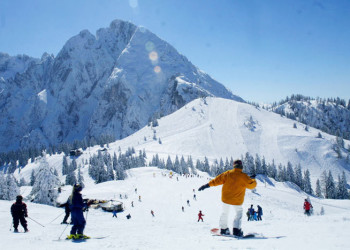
(173, 229)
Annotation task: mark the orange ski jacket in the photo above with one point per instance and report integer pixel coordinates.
(234, 182)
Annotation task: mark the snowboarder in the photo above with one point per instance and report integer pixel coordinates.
(307, 207)
(19, 212)
(152, 213)
(114, 213)
(67, 211)
(77, 206)
(234, 182)
(260, 212)
(200, 216)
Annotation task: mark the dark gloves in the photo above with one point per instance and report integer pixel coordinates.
(203, 187)
(252, 176)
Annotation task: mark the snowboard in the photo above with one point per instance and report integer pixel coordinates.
(216, 232)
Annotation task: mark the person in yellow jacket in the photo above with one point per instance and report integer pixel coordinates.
(234, 182)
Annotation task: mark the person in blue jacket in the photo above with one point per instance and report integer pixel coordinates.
(77, 207)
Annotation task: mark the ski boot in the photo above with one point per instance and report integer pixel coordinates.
(15, 230)
(237, 232)
(225, 231)
(81, 237)
(71, 236)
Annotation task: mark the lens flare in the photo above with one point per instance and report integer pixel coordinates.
(149, 46)
(157, 69)
(153, 56)
(133, 3)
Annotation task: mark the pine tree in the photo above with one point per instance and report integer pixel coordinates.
(318, 189)
(2, 185)
(65, 167)
(249, 165)
(32, 178)
(330, 190)
(307, 182)
(169, 163)
(290, 173)
(11, 190)
(46, 183)
(264, 166)
(70, 178)
(258, 165)
(80, 177)
(298, 176)
(342, 191)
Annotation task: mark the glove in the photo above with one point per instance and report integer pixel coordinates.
(252, 176)
(203, 187)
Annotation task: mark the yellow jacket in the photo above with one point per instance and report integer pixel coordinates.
(234, 184)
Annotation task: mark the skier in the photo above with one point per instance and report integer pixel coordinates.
(139, 197)
(183, 209)
(251, 212)
(200, 216)
(307, 207)
(248, 214)
(234, 182)
(67, 211)
(260, 212)
(19, 211)
(132, 203)
(114, 213)
(152, 213)
(195, 197)
(77, 206)
(128, 216)
(188, 203)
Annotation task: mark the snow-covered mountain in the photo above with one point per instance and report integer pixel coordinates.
(199, 130)
(110, 83)
(329, 115)
(173, 229)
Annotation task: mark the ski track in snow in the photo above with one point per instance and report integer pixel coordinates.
(173, 229)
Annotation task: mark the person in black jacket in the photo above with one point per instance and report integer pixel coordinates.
(67, 211)
(77, 207)
(19, 212)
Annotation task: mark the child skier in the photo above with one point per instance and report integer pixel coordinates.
(77, 205)
(19, 211)
(307, 207)
(234, 184)
(67, 212)
(200, 216)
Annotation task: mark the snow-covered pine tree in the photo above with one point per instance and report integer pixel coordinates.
(183, 166)
(307, 182)
(11, 188)
(22, 182)
(342, 191)
(258, 165)
(80, 177)
(110, 172)
(330, 190)
(206, 166)
(65, 166)
(2, 185)
(169, 163)
(290, 176)
(70, 178)
(191, 165)
(248, 164)
(264, 166)
(272, 170)
(298, 176)
(177, 167)
(318, 189)
(32, 178)
(45, 186)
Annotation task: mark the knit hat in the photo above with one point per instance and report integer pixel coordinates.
(77, 188)
(19, 198)
(238, 164)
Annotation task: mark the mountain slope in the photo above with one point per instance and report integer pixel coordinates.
(173, 229)
(111, 83)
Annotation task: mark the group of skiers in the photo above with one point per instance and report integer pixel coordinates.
(234, 184)
(254, 215)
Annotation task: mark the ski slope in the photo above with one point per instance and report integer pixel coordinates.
(173, 229)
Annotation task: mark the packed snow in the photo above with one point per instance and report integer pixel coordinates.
(283, 222)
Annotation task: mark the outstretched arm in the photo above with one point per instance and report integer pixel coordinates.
(203, 187)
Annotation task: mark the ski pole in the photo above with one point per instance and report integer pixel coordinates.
(63, 231)
(35, 221)
(56, 217)
(11, 225)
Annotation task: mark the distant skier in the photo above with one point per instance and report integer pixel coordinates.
(132, 203)
(114, 213)
(234, 182)
(183, 209)
(152, 213)
(188, 202)
(128, 216)
(195, 197)
(200, 216)
(251, 212)
(139, 197)
(19, 212)
(260, 212)
(67, 212)
(248, 214)
(307, 207)
(77, 206)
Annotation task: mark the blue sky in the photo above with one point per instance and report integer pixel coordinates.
(261, 50)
